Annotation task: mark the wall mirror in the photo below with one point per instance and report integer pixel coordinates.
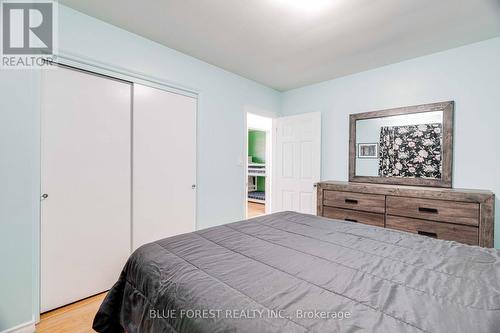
(406, 146)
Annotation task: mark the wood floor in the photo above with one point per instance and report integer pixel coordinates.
(74, 318)
(255, 209)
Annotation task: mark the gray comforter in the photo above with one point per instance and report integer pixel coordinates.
(289, 272)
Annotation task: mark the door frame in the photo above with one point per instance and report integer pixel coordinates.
(105, 70)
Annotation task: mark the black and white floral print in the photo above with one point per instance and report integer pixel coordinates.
(411, 151)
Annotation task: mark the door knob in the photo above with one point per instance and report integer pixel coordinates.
(193, 186)
(45, 196)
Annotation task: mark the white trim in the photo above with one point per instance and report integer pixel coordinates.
(37, 192)
(196, 180)
(69, 59)
(245, 168)
(269, 168)
(23, 328)
(274, 172)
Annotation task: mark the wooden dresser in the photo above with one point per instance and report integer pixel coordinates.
(465, 216)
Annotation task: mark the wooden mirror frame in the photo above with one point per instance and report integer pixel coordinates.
(447, 144)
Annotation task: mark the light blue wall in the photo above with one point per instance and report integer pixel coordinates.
(19, 190)
(224, 98)
(469, 75)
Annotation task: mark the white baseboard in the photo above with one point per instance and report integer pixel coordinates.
(23, 328)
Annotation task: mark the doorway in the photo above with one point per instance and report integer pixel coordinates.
(259, 165)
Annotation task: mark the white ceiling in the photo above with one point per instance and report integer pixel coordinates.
(286, 44)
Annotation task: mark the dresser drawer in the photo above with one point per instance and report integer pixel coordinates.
(354, 216)
(436, 210)
(359, 201)
(459, 233)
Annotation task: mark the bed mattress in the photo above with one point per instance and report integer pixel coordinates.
(289, 272)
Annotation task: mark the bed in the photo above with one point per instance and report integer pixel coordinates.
(258, 196)
(289, 272)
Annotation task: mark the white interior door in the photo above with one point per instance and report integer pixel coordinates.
(164, 167)
(297, 162)
(85, 220)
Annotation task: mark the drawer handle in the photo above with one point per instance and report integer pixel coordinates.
(428, 234)
(428, 210)
(350, 220)
(351, 201)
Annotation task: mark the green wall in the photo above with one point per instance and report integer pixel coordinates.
(257, 149)
(257, 146)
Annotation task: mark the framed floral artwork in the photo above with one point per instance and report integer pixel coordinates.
(411, 151)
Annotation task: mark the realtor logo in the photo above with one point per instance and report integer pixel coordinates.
(28, 33)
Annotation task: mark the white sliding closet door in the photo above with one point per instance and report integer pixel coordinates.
(164, 164)
(85, 225)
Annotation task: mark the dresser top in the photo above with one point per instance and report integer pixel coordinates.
(465, 195)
